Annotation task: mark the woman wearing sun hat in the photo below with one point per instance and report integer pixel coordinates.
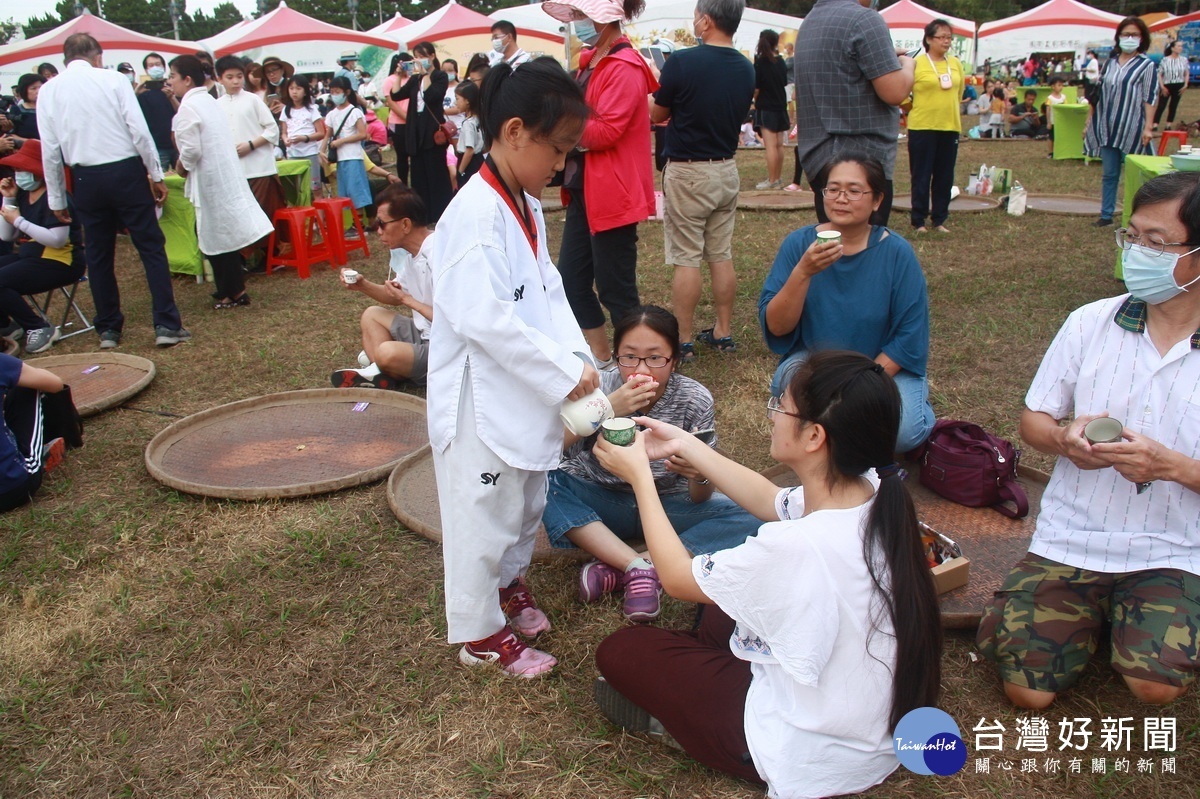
(270, 78)
(48, 252)
(610, 183)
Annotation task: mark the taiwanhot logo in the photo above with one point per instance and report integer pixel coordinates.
(928, 741)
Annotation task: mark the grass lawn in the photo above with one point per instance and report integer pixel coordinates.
(157, 644)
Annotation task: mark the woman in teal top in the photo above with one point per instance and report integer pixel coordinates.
(864, 293)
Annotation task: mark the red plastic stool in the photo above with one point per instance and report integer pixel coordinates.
(332, 211)
(1179, 136)
(302, 224)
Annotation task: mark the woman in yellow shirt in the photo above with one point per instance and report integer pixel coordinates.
(934, 126)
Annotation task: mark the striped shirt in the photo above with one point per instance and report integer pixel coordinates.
(1104, 360)
(1174, 69)
(685, 403)
(1120, 115)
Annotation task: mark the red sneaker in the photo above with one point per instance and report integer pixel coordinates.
(53, 454)
(510, 653)
(522, 612)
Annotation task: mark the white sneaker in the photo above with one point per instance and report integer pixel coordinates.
(363, 360)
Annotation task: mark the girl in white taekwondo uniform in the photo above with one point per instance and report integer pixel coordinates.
(505, 352)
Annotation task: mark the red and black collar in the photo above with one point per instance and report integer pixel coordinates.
(524, 219)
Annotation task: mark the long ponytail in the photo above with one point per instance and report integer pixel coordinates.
(858, 404)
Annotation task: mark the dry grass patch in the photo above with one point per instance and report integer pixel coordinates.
(157, 644)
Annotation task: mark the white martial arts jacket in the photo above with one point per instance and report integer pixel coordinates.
(499, 308)
(228, 217)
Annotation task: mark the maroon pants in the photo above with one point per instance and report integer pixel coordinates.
(689, 681)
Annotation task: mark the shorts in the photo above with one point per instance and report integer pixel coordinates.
(701, 201)
(403, 328)
(774, 121)
(1043, 624)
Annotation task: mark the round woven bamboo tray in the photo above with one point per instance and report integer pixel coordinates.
(991, 541)
(1066, 204)
(413, 498)
(293, 444)
(962, 204)
(118, 377)
(775, 200)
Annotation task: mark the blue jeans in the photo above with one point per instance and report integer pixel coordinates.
(916, 414)
(1111, 159)
(707, 527)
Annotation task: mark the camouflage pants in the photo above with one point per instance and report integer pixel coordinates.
(1043, 624)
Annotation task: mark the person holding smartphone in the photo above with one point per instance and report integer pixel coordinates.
(589, 507)
(158, 107)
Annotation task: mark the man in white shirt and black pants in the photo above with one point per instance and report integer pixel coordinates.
(92, 123)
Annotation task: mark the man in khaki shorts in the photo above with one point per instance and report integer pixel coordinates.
(704, 94)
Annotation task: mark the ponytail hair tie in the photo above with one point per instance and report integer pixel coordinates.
(890, 470)
(878, 368)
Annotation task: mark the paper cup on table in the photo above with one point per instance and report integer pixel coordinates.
(829, 237)
(620, 431)
(1104, 430)
(585, 415)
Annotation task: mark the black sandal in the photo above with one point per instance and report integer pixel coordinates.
(724, 344)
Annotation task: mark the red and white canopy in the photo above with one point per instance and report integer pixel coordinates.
(907, 20)
(308, 44)
(458, 31)
(1175, 22)
(120, 44)
(390, 26)
(1054, 26)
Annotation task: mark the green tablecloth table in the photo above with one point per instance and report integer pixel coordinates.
(1139, 169)
(178, 220)
(1044, 91)
(1069, 122)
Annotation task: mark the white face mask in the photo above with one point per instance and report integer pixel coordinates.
(498, 45)
(451, 76)
(1150, 276)
(26, 181)
(1130, 44)
(156, 73)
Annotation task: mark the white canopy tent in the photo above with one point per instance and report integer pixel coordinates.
(663, 20)
(1054, 26)
(120, 44)
(308, 44)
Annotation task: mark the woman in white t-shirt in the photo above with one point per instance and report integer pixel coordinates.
(825, 630)
(303, 128)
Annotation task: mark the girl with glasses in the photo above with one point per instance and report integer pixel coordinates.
(591, 508)
(863, 292)
(821, 632)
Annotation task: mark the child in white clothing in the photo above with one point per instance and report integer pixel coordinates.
(505, 352)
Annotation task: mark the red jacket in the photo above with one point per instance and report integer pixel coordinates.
(618, 176)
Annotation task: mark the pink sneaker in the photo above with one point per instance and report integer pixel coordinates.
(596, 579)
(643, 595)
(504, 649)
(522, 612)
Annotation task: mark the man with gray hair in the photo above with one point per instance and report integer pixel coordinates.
(704, 95)
(849, 82)
(89, 120)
